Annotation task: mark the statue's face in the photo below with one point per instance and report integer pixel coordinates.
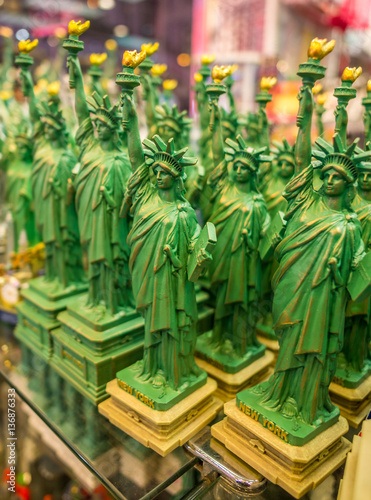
(22, 149)
(163, 178)
(103, 131)
(166, 133)
(241, 171)
(364, 180)
(286, 169)
(334, 183)
(51, 133)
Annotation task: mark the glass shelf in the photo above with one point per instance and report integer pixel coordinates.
(130, 471)
(141, 473)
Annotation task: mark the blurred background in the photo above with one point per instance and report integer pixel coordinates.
(264, 37)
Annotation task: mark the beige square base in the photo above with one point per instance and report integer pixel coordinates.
(354, 404)
(297, 469)
(270, 344)
(229, 384)
(163, 431)
(356, 483)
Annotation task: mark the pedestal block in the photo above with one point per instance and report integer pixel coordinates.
(297, 469)
(163, 431)
(229, 384)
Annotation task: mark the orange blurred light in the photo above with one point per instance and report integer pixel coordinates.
(184, 60)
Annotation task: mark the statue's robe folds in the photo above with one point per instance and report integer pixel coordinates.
(162, 237)
(100, 186)
(310, 299)
(240, 220)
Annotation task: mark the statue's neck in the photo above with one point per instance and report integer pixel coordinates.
(107, 145)
(167, 195)
(243, 187)
(336, 202)
(365, 195)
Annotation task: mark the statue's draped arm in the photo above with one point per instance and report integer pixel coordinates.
(303, 145)
(81, 107)
(135, 149)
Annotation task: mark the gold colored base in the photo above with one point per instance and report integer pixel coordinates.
(272, 345)
(297, 469)
(163, 431)
(357, 479)
(354, 404)
(229, 384)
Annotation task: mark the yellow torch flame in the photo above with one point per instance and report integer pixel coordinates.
(6, 32)
(198, 77)
(149, 48)
(351, 74)
(322, 98)
(220, 72)
(170, 84)
(97, 59)
(317, 89)
(267, 82)
(54, 88)
(369, 86)
(26, 46)
(234, 68)
(319, 48)
(158, 69)
(76, 28)
(111, 44)
(5, 94)
(132, 59)
(207, 59)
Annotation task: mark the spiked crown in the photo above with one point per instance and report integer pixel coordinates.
(51, 113)
(229, 120)
(102, 109)
(172, 117)
(339, 157)
(239, 150)
(173, 161)
(365, 163)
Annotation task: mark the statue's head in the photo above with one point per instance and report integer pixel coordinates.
(172, 123)
(54, 123)
(364, 176)
(106, 118)
(245, 161)
(167, 163)
(338, 166)
(284, 159)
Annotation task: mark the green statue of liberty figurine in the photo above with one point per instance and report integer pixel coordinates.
(366, 101)
(55, 215)
(100, 184)
(321, 246)
(352, 384)
(163, 236)
(240, 216)
(19, 186)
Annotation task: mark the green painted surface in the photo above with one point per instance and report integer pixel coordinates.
(292, 430)
(321, 245)
(224, 356)
(159, 398)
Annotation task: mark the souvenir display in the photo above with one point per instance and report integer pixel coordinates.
(187, 267)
